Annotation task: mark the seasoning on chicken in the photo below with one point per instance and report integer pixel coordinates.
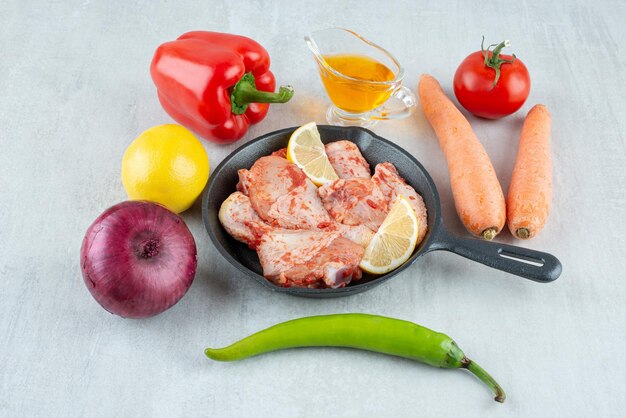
(239, 219)
(242, 185)
(282, 195)
(347, 160)
(302, 258)
(309, 258)
(368, 201)
(357, 201)
(282, 153)
(301, 208)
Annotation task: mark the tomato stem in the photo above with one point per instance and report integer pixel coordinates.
(492, 58)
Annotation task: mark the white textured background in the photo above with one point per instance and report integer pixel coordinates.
(75, 91)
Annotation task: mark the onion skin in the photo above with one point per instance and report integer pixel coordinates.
(138, 259)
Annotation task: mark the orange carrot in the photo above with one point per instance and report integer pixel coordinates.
(530, 192)
(477, 193)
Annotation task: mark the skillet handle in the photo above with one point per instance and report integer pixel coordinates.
(533, 265)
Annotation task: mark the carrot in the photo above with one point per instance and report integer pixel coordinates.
(530, 191)
(477, 193)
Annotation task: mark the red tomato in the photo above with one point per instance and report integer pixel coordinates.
(474, 83)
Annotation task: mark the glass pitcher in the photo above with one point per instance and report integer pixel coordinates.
(362, 80)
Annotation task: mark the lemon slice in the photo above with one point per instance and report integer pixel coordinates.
(394, 241)
(306, 150)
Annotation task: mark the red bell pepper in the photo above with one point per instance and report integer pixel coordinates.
(215, 84)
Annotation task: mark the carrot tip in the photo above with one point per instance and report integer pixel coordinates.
(490, 233)
(522, 233)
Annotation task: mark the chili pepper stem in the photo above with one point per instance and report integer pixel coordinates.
(245, 92)
(480, 373)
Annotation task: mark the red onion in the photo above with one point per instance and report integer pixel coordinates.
(138, 259)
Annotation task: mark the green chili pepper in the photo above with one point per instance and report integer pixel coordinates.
(361, 331)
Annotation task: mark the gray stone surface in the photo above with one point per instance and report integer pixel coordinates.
(75, 90)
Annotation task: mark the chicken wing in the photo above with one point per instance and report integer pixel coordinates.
(347, 160)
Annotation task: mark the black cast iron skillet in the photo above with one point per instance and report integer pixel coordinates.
(534, 265)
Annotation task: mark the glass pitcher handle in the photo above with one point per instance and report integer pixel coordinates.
(399, 105)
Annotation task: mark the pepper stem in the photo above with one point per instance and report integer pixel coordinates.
(245, 92)
(480, 373)
(493, 60)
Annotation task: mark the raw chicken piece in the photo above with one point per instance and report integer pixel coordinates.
(242, 186)
(336, 265)
(309, 237)
(270, 178)
(391, 184)
(345, 157)
(347, 160)
(309, 258)
(301, 208)
(282, 194)
(241, 221)
(281, 249)
(356, 201)
(303, 258)
(280, 153)
(367, 201)
(359, 234)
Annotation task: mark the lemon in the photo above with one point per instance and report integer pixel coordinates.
(306, 150)
(394, 241)
(166, 164)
